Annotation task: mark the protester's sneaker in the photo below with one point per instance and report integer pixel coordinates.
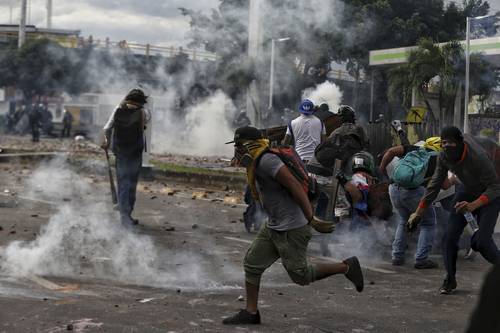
(243, 318)
(354, 273)
(426, 264)
(448, 286)
(398, 261)
(134, 221)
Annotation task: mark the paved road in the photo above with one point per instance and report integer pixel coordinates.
(180, 270)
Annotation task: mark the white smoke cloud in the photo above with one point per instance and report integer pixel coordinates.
(84, 238)
(326, 92)
(203, 131)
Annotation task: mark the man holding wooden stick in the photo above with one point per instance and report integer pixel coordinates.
(277, 179)
(125, 129)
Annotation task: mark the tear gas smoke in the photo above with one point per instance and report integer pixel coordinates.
(326, 92)
(370, 243)
(203, 131)
(85, 239)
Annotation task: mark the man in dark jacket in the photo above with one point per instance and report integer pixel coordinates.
(67, 123)
(480, 195)
(126, 129)
(35, 118)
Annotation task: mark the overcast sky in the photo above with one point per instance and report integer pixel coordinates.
(144, 21)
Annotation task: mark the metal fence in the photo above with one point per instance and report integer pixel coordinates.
(72, 41)
(382, 135)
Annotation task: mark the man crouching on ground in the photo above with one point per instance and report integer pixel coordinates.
(288, 231)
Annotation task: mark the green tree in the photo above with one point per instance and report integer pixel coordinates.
(444, 65)
(40, 67)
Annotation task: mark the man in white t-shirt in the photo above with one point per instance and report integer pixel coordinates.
(305, 132)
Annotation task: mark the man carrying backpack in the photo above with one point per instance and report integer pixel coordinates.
(479, 195)
(273, 180)
(126, 127)
(305, 132)
(342, 143)
(416, 166)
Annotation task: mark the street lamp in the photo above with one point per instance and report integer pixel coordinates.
(271, 74)
(467, 69)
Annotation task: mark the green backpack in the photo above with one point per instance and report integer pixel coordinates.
(411, 170)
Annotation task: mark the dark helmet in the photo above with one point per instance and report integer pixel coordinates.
(324, 107)
(347, 114)
(363, 161)
(137, 95)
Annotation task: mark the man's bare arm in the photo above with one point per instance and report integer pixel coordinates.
(287, 141)
(287, 180)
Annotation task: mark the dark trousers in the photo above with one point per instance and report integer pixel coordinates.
(128, 167)
(66, 131)
(35, 133)
(482, 240)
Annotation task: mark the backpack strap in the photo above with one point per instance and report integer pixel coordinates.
(291, 132)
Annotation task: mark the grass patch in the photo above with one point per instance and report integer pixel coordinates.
(194, 170)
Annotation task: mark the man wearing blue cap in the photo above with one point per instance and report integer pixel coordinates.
(305, 132)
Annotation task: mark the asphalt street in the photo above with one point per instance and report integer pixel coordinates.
(67, 264)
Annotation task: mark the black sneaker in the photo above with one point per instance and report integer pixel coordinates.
(448, 286)
(398, 261)
(243, 318)
(426, 264)
(354, 273)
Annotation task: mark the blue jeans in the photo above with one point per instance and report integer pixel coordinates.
(406, 202)
(128, 168)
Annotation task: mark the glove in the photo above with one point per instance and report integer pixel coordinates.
(341, 177)
(413, 222)
(323, 227)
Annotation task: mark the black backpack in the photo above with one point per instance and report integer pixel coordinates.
(128, 126)
(338, 146)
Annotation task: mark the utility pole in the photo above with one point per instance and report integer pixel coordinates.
(271, 71)
(255, 35)
(22, 24)
(467, 68)
(49, 14)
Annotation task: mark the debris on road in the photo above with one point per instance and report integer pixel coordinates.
(199, 195)
(146, 300)
(232, 200)
(241, 298)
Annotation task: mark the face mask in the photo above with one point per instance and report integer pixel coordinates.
(243, 156)
(453, 154)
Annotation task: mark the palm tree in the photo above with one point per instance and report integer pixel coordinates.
(443, 65)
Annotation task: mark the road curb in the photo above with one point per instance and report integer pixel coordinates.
(235, 181)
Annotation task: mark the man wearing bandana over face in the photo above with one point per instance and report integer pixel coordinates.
(288, 231)
(479, 195)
